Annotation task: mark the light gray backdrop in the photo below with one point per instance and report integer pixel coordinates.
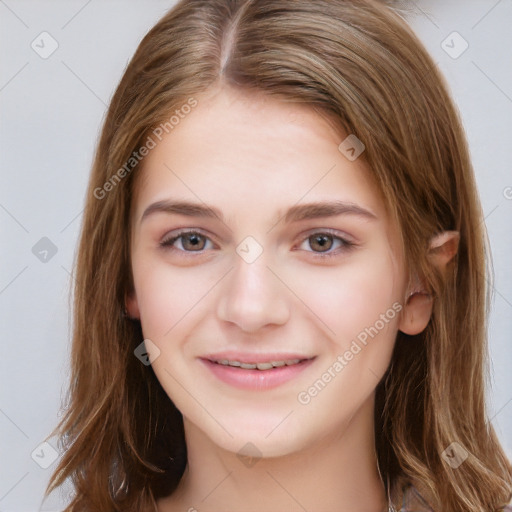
(61, 61)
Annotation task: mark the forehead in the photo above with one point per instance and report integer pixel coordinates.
(240, 150)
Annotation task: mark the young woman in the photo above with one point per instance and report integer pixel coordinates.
(280, 289)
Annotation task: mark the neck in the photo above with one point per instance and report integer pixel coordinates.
(338, 473)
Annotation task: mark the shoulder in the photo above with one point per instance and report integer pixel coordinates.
(412, 500)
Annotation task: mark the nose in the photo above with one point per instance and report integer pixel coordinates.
(253, 297)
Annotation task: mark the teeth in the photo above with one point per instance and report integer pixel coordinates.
(248, 366)
(259, 366)
(264, 366)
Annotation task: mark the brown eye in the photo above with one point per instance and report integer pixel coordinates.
(320, 242)
(186, 241)
(323, 244)
(193, 242)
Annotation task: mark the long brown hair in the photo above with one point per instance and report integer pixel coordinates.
(360, 63)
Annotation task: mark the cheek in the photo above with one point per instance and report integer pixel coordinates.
(360, 304)
(163, 297)
(167, 295)
(351, 298)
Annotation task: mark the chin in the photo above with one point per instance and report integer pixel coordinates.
(271, 435)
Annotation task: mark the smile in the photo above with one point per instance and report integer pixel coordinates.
(256, 372)
(259, 366)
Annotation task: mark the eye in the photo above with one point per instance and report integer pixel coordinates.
(186, 241)
(324, 243)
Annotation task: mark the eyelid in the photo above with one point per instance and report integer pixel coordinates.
(342, 235)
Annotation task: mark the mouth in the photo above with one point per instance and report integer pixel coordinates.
(264, 366)
(256, 372)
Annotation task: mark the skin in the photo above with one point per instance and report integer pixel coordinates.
(253, 157)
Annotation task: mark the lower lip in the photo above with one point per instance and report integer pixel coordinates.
(256, 379)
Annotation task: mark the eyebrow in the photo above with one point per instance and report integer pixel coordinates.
(325, 209)
(295, 213)
(186, 208)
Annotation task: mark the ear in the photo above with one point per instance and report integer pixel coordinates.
(443, 248)
(418, 307)
(132, 305)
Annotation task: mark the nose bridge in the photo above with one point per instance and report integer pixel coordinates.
(252, 296)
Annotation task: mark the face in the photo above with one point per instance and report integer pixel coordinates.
(267, 275)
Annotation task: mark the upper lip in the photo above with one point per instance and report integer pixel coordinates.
(255, 358)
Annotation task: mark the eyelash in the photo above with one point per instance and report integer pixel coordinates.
(345, 245)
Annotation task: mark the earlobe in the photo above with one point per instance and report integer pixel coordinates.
(418, 308)
(416, 313)
(132, 305)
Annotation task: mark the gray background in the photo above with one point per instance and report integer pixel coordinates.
(51, 112)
